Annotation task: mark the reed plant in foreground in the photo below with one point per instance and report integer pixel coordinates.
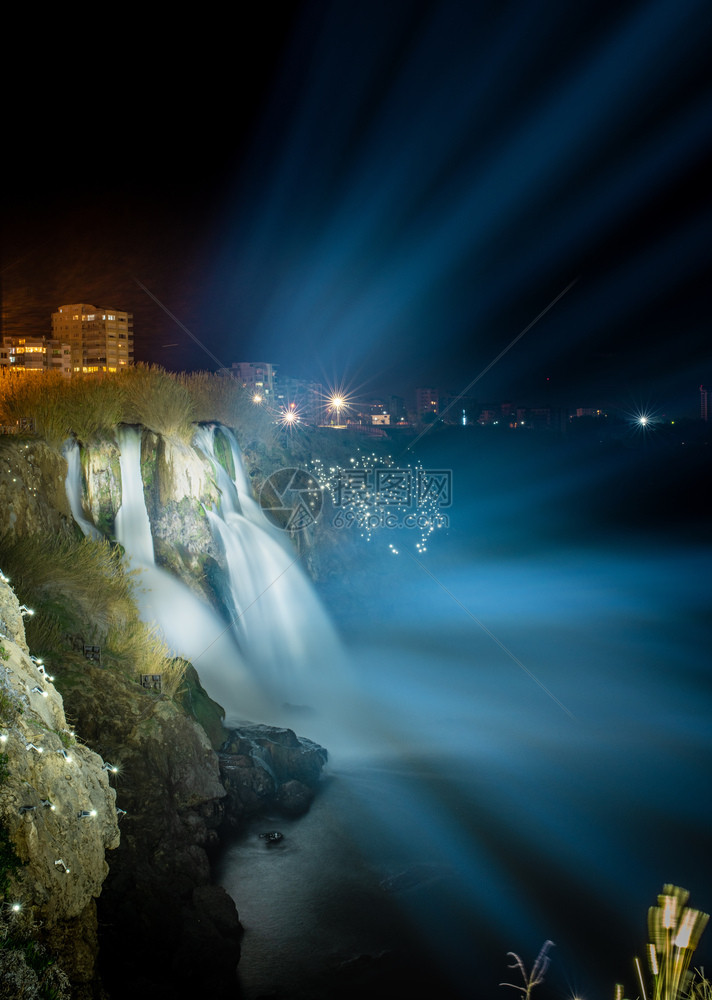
(538, 970)
(674, 931)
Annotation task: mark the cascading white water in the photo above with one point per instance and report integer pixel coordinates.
(73, 488)
(280, 648)
(191, 628)
(279, 622)
(132, 526)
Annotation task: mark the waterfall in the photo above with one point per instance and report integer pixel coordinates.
(190, 627)
(132, 526)
(279, 622)
(279, 648)
(73, 488)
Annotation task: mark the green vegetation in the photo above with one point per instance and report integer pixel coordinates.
(223, 453)
(158, 400)
(36, 973)
(85, 405)
(9, 706)
(81, 592)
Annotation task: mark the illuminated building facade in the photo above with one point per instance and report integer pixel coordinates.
(100, 339)
(28, 354)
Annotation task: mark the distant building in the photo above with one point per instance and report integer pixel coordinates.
(489, 415)
(100, 339)
(307, 398)
(258, 377)
(426, 404)
(397, 409)
(588, 411)
(30, 354)
(377, 414)
(705, 403)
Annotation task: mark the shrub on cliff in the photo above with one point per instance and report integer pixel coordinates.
(82, 589)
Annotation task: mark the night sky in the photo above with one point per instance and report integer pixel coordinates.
(385, 194)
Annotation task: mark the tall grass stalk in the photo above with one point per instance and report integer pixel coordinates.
(538, 971)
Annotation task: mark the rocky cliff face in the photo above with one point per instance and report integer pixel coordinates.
(56, 805)
(162, 916)
(179, 485)
(162, 928)
(32, 495)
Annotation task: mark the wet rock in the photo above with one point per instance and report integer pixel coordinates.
(267, 767)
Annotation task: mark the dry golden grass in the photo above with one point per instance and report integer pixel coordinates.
(82, 588)
(158, 400)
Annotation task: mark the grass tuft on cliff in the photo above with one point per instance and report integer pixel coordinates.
(90, 407)
(87, 406)
(81, 591)
(158, 400)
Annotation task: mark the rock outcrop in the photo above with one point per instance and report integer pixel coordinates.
(56, 806)
(266, 768)
(168, 930)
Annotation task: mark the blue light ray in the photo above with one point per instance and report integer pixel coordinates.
(366, 258)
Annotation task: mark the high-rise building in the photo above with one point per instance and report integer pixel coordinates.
(100, 339)
(29, 354)
(705, 402)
